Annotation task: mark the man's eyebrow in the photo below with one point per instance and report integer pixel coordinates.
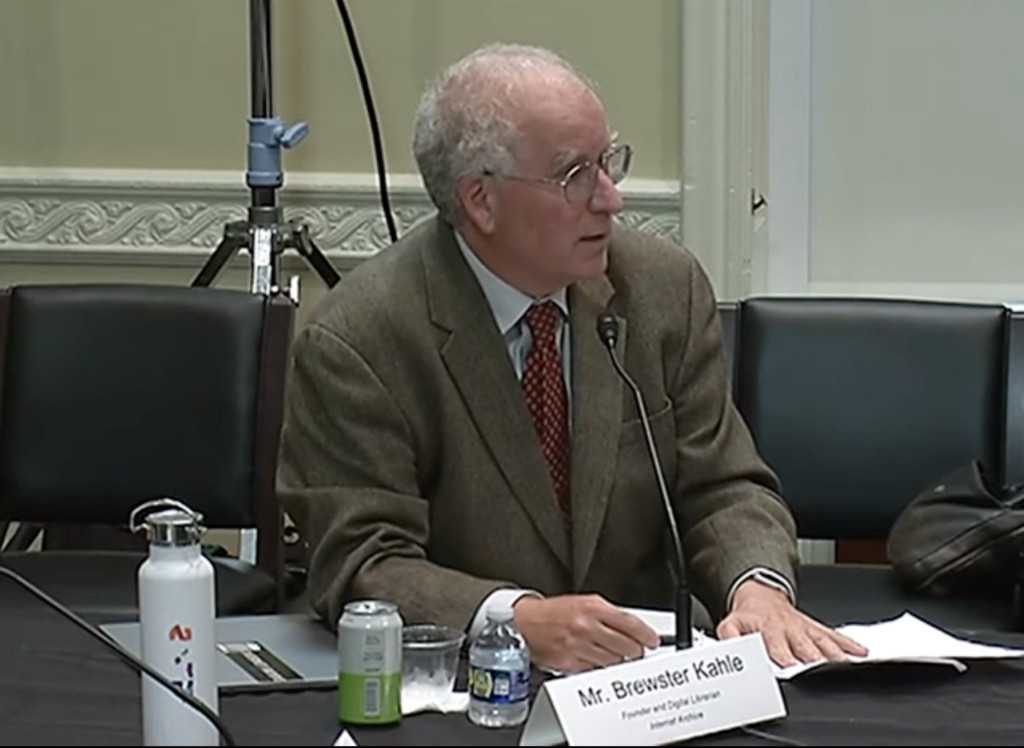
(566, 157)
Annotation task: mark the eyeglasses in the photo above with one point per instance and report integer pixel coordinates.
(580, 181)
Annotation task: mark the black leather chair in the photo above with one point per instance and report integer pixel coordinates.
(859, 404)
(112, 395)
(728, 314)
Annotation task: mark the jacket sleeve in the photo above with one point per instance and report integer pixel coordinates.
(728, 500)
(348, 477)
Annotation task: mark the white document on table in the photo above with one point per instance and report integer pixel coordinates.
(664, 623)
(906, 639)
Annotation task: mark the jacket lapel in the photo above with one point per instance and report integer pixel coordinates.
(597, 419)
(478, 362)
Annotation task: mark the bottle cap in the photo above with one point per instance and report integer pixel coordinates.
(175, 526)
(500, 612)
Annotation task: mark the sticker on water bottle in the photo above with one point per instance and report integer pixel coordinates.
(499, 686)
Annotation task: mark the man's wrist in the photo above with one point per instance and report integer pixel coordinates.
(503, 596)
(764, 577)
(756, 588)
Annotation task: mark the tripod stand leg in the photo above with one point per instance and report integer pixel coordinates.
(232, 242)
(317, 259)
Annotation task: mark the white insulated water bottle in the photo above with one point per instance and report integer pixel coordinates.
(176, 619)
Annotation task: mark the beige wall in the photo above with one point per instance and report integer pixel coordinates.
(905, 150)
(165, 85)
(915, 158)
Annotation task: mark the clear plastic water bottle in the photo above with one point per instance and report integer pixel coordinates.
(499, 672)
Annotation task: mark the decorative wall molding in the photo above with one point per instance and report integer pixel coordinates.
(174, 217)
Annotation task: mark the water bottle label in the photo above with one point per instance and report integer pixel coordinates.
(499, 686)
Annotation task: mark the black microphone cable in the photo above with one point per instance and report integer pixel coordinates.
(608, 331)
(371, 115)
(123, 654)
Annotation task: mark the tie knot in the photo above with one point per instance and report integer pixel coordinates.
(543, 319)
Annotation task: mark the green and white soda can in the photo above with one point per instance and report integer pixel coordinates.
(370, 663)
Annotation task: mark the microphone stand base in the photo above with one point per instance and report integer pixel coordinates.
(684, 618)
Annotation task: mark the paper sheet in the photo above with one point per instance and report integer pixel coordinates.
(907, 639)
(664, 622)
(415, 700)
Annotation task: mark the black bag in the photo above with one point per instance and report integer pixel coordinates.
(960, 536)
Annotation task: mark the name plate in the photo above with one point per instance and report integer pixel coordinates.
(659, 699)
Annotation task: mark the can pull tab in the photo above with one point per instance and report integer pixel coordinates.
(174, 525)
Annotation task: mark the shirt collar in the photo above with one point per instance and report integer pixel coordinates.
(508, 304)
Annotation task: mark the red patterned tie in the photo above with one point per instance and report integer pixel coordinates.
(544, 390)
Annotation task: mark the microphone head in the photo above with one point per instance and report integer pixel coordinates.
(608, 329)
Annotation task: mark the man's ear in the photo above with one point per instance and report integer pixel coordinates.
(477, 200)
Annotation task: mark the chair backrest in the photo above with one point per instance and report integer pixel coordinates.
(728, 314)
(860, 403)
(115, 394)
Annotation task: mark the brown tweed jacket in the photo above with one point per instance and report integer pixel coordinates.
(410, 463)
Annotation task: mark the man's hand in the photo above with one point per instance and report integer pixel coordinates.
(789, 635)
(579, 632)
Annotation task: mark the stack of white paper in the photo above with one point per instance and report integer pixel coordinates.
(908, 639)
(903, 639)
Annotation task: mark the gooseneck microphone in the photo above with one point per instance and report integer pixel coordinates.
(608, 331)
(123, 654)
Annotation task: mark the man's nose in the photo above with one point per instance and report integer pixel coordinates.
(606, 197)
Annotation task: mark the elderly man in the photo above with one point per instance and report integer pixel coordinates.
(455, 433)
